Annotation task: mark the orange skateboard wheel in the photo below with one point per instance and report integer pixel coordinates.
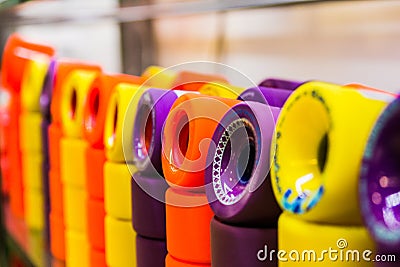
(56, 193)
(96, 215)
(94, 112)
(188, 130)
(172, 262)
(97, 258)
(64, 69)
(193, 81)
(17, 52)
(188, 218)
(57, 240)
(95, 160)
(16, 189)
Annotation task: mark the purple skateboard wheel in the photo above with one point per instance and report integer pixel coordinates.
(47, 90)
(153, 108)
(238, 183)
(150, 252)
(45, 100)
(241, 246)
(148, 213)
(270, 96)
(280, 83)
(380, 181)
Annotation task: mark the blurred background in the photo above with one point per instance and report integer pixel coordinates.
(337, 41)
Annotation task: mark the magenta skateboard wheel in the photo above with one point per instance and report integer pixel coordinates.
(236, 246)
(238, 183)
(380, 181)
(150, 252)
(280, 83)
(148, 212)
(153, 108)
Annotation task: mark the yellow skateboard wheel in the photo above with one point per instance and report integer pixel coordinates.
(159, 77)
(75, 209)
(309, 244)
(33, 81)
(34, 208)
(73, 99)
(73, 162)
(32, 164)
(121, 111)
(117, 190)
(320, 138)
(120, 243)
(30, 132)
(76, 250)
(221, 90)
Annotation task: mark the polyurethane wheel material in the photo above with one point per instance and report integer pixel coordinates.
(94, 111)
(95, 216)
(73, 100)
(172, 262)
(120, 118)
(280, 83)
(16, 192)
(32, 170)
(73, 162)
(97, 258)
(314, 173)
(47, 90)
(186, 137)
(55, 135)
(76, 249)
(236, 246)
(153, 108)
(57, 234)
(274, 97)
(95, 160)
(148, 211)
(117, 190)
(302, 237)
(120, 243)
(64, 69)
(193, 81)
(33, 82)
(17, 52)
(158, 77)
(34, 208)
(75, 209)
(56, 193)
(150, 252)
(188, 217)
(57, 262)
(30, 132)
(379, 182)
(238, 187)
(221, 89)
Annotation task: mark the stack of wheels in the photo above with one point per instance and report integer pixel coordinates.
(73, 97)
(120, 237)
(45, 101)
(238, 182)
(52, 96)
(320, 138)
(187, 131)
(13, 66)
(94, 117)
(148, 184)
(31, 141)
(379, 186)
